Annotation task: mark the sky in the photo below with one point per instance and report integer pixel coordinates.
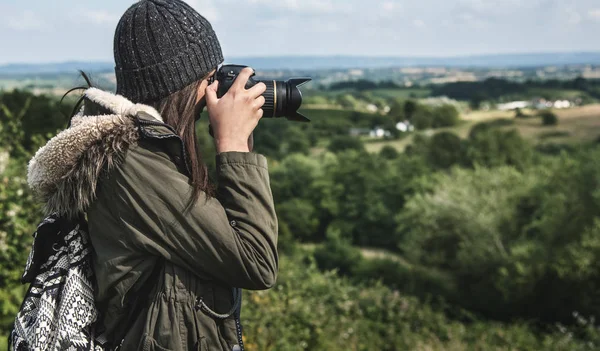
(41, 31)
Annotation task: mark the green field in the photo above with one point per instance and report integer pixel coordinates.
(575, 125)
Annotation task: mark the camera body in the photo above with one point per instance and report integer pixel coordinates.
(282, 98)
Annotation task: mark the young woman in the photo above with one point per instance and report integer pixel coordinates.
(171, 253)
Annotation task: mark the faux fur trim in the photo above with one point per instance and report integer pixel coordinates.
(65, 172)
(119, 104)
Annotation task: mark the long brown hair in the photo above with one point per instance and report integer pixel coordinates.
(179, 110)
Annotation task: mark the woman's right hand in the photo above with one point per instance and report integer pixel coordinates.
(234, 116)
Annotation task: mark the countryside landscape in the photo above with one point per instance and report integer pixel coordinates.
(441, 206)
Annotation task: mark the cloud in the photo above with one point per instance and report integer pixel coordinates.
(419, 23)
(101, 17)
(389, 6)
(310, 7)
(471, 20)
(206, 8)
(594, 14)
(25, 21)
(572, 16)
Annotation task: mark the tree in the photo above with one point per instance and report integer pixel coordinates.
(389, 153)
(492, 147)
(445, 150)
(549, 118)
(410, 107)
(445, 116)
(343, 143)
(422, 117)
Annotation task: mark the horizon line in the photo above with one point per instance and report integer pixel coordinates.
(106, 61)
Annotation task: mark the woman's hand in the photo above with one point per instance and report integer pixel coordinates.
(234, 116)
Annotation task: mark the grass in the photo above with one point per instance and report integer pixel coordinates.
(576, 125)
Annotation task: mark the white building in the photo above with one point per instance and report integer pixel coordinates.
(405, 126)
(512, 105)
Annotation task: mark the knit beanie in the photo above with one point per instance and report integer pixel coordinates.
(162, 46)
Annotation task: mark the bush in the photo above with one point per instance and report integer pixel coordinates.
(492, 147)
(445, 150)
(309, 310)
(445, 116)
(517, 243)
(389, 153)
(338, 254)
(463, 228)
(549, 118)
(344, 143)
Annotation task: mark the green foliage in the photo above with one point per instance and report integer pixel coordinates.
(24, 118)
(338, 254)
(495, 89)
(389, 153)
(410, 107)
(520, 114)
(309, 310)
(425, 117)
(528, 241)
(345, 143)
(491, 147)
(445, 116)
(479, 227)
(549, 118)
(300, 216)
(445, 150)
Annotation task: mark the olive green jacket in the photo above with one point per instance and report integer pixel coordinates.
(166, 279)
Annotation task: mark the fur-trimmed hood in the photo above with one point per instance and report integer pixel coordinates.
(64, 173)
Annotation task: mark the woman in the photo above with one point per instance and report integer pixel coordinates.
(170, 254)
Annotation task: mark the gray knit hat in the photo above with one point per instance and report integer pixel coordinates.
(162, 46)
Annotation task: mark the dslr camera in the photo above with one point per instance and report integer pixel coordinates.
(282, 98)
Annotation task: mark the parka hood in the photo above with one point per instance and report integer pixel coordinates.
(65, 172)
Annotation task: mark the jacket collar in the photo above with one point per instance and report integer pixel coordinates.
(64, 172)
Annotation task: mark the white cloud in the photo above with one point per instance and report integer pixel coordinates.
(594, 14)
(315, 7)
(24, 21)
(101, 17)
(206, 8)
(572, 16)
(419, 23)
(471, 20)
(389, 6)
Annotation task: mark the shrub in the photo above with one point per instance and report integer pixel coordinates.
(445, 150)
(389, 153)
(492, 147)
(344, 143)
(309, 310)
(549, 118)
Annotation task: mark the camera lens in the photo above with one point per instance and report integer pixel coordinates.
(283, 99)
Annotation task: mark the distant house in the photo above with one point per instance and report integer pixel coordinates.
(542, 104)
(373, 133)
(380, 133)
(562, 104)
(405, 126)
(513, 105)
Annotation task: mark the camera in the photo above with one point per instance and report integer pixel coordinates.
(282, 98)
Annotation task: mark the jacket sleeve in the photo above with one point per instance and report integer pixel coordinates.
(231, 237)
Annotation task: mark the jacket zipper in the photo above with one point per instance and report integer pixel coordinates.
(238, 327)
